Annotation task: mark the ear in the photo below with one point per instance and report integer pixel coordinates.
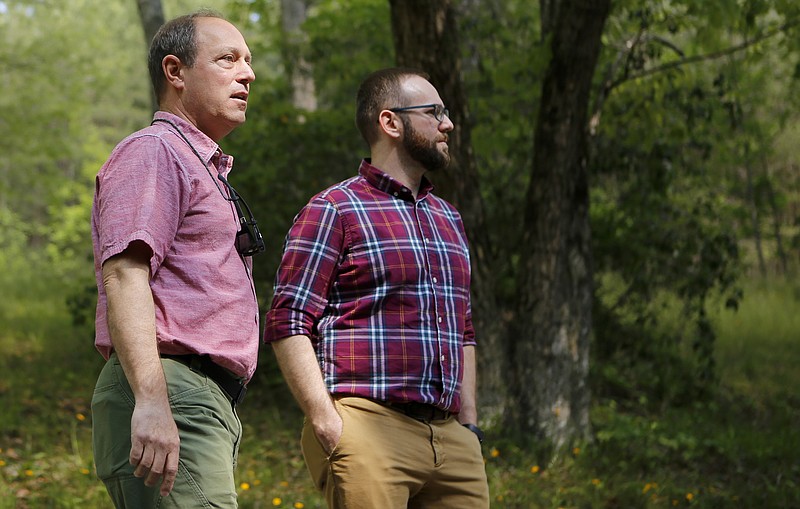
(173, 71)
(390, 124)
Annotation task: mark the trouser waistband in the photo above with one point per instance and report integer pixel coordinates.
(420, 411)
(231, 385)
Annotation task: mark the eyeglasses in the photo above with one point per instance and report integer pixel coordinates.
(248, 240)
(439, 111)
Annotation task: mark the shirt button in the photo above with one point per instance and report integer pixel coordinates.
(395, 193)
(443, 358)
(439, 319)
(435, 280)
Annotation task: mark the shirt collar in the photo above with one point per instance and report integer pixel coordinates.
(205, 146)
(384, 182)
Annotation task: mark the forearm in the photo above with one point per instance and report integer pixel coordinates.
(131, 323)
(302, 373)
(469, 383)
(155, 443)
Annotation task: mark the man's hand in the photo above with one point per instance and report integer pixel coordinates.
(154, 445)
(329, 432)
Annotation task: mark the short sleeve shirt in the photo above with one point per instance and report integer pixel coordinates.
(156, 190)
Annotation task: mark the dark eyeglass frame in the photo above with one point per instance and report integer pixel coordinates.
(249, 240)
(439, 111)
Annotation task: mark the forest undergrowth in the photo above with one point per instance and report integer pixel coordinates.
(735, 448)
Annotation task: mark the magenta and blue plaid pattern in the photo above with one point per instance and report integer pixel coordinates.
(380, 283)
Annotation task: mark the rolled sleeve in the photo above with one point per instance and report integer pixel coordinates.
(312, 252)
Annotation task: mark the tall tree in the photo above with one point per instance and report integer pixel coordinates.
(550, 353)
(299, 69)
(426, 37)
(151, 13)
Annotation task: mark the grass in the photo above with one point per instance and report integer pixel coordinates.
(735, 449)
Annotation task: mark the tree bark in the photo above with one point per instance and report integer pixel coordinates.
(776, 223)
(755, 220)
(426, 37)
(548, 15)
(151, 13)
(550, 350)
(301, 72)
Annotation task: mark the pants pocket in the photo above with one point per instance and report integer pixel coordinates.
(315, 457)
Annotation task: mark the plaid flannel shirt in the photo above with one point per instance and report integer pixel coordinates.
(380, 283)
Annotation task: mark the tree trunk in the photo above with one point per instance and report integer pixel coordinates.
(754, 219)
(550, 350)
(548, 15)
(301, 72)
(151, 14)
(426, 37)
(776, 223)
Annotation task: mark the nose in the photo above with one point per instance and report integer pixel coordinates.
(446, 125)
(247, 74)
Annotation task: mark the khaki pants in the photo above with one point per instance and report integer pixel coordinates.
(209, 431)
(388, 460)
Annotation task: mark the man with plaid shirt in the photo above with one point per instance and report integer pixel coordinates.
(371, 321)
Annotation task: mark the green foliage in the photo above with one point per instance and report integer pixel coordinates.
(55, 139)
(348, 40)
(668, 155)
(657, 224)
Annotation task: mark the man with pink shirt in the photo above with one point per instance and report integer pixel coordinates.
(177, 316)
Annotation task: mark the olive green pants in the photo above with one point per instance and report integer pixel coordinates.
(388, 460)
(209, 431)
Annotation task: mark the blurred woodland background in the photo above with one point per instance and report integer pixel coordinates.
(628, 175)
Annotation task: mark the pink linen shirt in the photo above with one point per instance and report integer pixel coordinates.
(154, 189)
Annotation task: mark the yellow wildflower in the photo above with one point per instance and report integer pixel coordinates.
(85, 471)
(596, 482)
(535, 469)
(29, 472)
(277, 501)
(284, 484)
(576, 451)
(495, 453)
(245, 486)
(298, 505)
(2, 463)
(80, 417)
(689, 497)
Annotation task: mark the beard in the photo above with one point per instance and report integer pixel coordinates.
(424, 151)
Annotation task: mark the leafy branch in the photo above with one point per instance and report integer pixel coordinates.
(700, 58)
(624, 58)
